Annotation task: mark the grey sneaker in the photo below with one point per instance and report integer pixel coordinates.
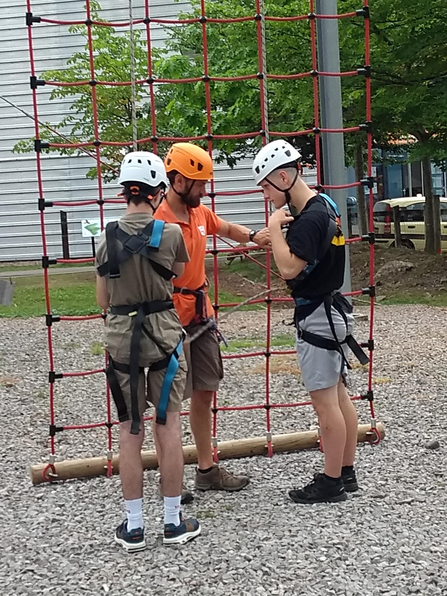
(219, 478)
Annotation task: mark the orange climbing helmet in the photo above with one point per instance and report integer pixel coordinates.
(191, 161)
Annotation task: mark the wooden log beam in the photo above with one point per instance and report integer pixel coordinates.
(97, 466)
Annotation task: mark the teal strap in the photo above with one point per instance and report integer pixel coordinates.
(331, 202)
(167, 383)
(157, 232)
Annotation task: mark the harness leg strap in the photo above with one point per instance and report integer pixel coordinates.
(134, 370)
(171, 370)
(356, 350)
(328, 300)
(115, 388)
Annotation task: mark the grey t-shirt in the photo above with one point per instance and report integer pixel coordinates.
(138, 283)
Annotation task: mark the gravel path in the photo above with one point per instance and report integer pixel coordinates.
(389, 540)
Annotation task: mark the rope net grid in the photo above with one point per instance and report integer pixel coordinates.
(93, 149)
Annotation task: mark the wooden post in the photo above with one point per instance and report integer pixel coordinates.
(397, 232)
(97, 466)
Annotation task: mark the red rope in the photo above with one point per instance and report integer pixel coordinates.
(228, 79)
(150, 73)
(371, 205)
(197, 20)
(43, 235)
(100, 188)
(206, 79)
(313, 41)
(243, 135)
(263, 132)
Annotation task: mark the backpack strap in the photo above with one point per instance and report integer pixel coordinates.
(145, 243)
(112, 250)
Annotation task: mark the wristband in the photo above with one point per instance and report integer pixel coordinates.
(252, 234)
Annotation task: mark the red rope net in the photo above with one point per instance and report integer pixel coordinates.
(94, 151)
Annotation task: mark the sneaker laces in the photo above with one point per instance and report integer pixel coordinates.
(226, 474)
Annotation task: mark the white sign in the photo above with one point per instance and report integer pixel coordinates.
(91, 228)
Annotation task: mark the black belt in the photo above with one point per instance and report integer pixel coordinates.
(201, 315)
(147, 308)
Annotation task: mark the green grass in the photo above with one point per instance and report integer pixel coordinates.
(74, 294)
(7, 267)
(229, 298)
(70, 294)
(416, 298)
(248, 269)
(259, 342)
(97, 348)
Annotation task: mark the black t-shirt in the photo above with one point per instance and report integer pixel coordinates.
(307, 237)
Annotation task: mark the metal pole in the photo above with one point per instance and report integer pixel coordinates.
(334, 171)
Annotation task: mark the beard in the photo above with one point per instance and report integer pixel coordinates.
(190, 201)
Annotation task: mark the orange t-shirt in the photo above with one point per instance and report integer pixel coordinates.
(202, 223)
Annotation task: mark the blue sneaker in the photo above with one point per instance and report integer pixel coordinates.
(132, 541)
(186, 531)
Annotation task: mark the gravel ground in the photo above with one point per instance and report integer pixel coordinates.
(390, 539)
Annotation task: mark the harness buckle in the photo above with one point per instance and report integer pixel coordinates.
(184, 290)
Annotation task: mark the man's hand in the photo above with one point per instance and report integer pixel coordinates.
(279, 219)
(262, 238)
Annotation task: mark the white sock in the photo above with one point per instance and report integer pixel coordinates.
(134, 511)
(172, 510)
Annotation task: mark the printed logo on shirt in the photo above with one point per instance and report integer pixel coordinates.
(202, 230)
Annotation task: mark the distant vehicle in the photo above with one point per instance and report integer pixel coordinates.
(412, 222)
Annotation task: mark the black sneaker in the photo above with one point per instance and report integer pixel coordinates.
(320, 490)
(132, 541)
(350, 481)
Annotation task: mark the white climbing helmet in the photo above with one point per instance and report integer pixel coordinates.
(272, 156)
(143, 166)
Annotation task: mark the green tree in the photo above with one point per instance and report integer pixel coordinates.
(409, 81)
(409, 53)
(114, 105)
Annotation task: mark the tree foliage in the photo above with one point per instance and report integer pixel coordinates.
(409, 80)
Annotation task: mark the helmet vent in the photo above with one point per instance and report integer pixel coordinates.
(287, 152)
(149, 162)
(199, 166)
(191, 161)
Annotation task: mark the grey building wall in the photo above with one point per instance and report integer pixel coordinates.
(64, 177)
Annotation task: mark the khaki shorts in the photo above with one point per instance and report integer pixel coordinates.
(149, 389)
(205, 369)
